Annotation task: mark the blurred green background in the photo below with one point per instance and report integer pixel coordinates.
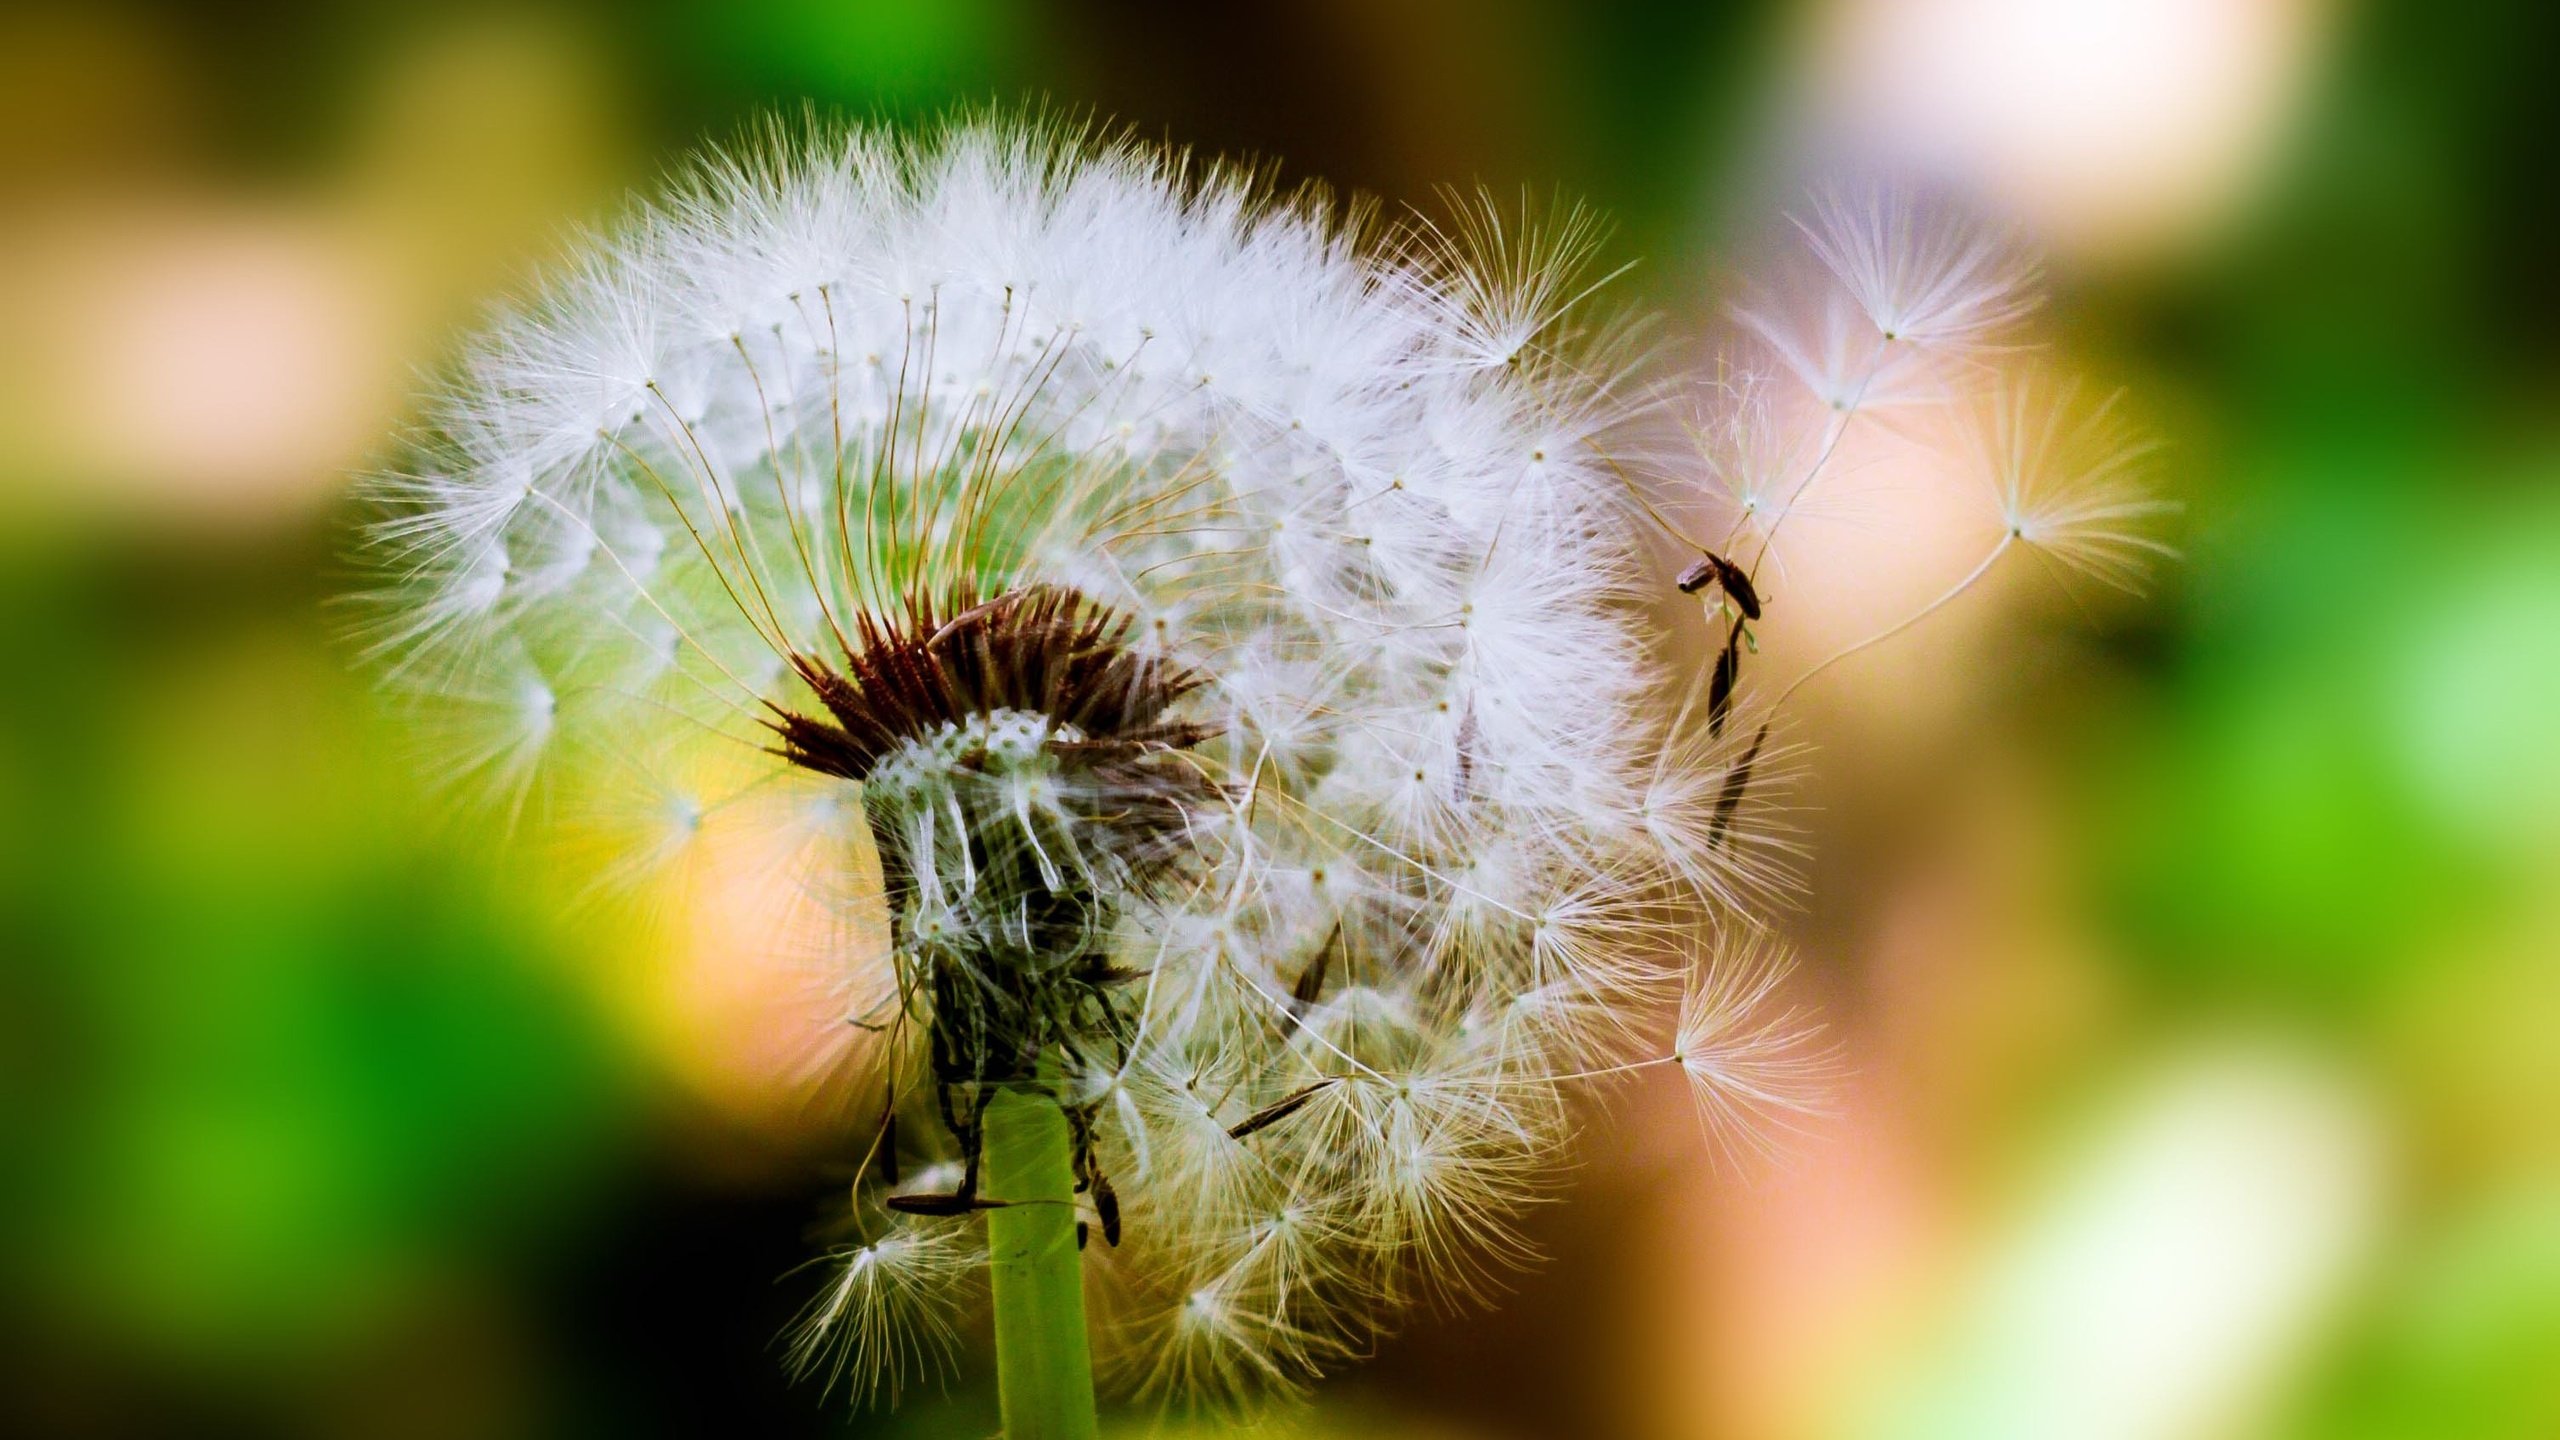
(2196, 967)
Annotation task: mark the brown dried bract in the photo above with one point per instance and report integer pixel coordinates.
(1043, 649)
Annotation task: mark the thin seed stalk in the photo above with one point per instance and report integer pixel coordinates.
(1044, 1371)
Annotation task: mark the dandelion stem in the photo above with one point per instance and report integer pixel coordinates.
(1044, 1372)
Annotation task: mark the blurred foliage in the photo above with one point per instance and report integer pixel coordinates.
(2355, 754)
(2361, 763)
(280, 1061)
(2464, 1340)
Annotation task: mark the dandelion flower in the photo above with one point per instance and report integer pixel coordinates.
(1193, 624)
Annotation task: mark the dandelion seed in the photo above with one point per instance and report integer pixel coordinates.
(1924, 275)
(1910, 299)
(884, 1318)
(1830, 345)
(1751, 1065)
(2066, 474)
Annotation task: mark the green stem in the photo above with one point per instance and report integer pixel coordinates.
(1044, 1373)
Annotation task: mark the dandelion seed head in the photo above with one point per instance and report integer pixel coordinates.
(1191, 630)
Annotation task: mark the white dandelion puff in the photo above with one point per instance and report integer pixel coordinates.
(1188, 641)
(1183, 632)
